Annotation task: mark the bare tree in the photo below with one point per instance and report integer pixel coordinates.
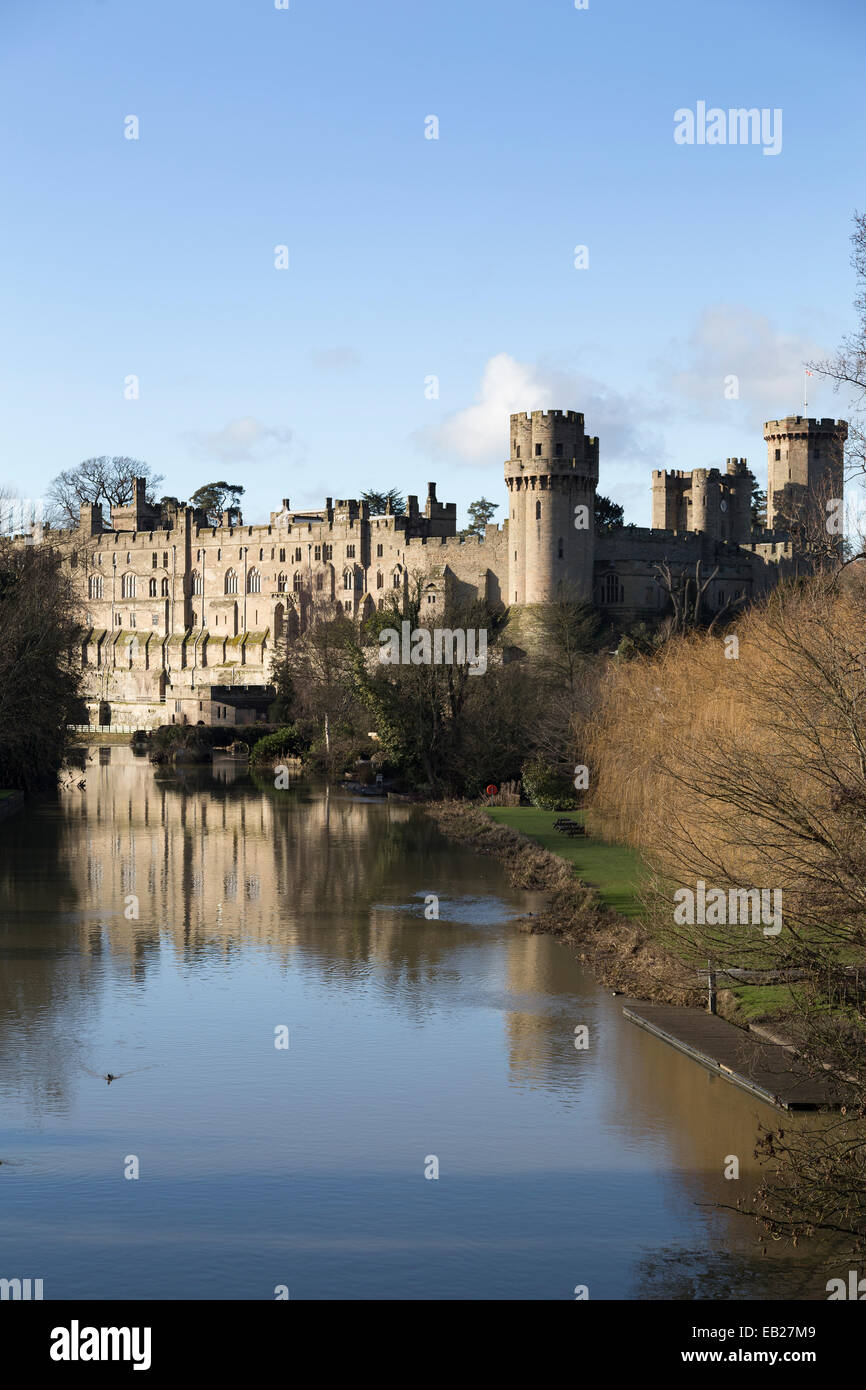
(748, 776)
(107, 480)
(847, 367)
(687, 594)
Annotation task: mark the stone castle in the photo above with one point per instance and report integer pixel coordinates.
(182, 616)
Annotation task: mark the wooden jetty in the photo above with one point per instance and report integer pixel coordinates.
(769, 1070)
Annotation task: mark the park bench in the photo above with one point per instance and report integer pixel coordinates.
(569, 827)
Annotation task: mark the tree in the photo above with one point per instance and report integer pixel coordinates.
(688, 597)
(313, 674)
(745, 774)
(480, 516)
(608, 516)
(440, 725)
(566, 665)
(378, 502)
(848, 367)
(40, 676)
(216, 498)
(758, 507)
(105, 480)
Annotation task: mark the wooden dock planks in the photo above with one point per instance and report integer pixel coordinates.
(768, 1070)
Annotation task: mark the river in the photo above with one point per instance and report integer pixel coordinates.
(178, 926)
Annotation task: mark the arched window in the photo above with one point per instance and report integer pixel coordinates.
(127, 586)
(379, 580)
(95, 586)
(254, 582)
(296, 582)
(611, 590)
(196, 582)
(281, 583)
(151, 588)
(397, 578)
(538, 511)
(231, 582)
(165, 588)
(348, 580)
(320, 581)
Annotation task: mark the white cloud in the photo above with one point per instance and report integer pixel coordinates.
(732, 340)
(478, 433)
(241, 441)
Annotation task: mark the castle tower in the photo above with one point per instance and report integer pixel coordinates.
(551, 477)
(804, 467)
(737, 502)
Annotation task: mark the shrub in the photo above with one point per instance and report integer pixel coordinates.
(285, 743)
(548, 787)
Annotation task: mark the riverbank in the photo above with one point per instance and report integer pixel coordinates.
(617, 948)
(617, 873)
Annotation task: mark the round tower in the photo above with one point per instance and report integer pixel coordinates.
(551, 477)
(804, 468)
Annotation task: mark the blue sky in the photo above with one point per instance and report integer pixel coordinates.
(409, 257)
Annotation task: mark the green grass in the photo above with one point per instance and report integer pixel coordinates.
(755, 1000)
(614, 870)
(4, 793)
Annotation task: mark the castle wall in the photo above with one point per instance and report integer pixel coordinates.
(629, 584)
(176, 613)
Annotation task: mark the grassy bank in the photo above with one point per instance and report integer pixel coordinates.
(614, 871)
(618, 948)
(595, 905)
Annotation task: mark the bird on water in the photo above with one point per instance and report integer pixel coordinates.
(113, 1075)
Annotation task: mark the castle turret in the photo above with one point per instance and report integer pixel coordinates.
(551, 477)
(717, 504)
(90, 518)
(139, 515)
(804, 469)
(737, 500)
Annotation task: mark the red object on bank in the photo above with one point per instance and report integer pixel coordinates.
(491, 790)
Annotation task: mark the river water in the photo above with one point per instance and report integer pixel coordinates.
(176, 926)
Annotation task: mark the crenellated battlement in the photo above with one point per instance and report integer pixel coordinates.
(808, 423)
(174, 605)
